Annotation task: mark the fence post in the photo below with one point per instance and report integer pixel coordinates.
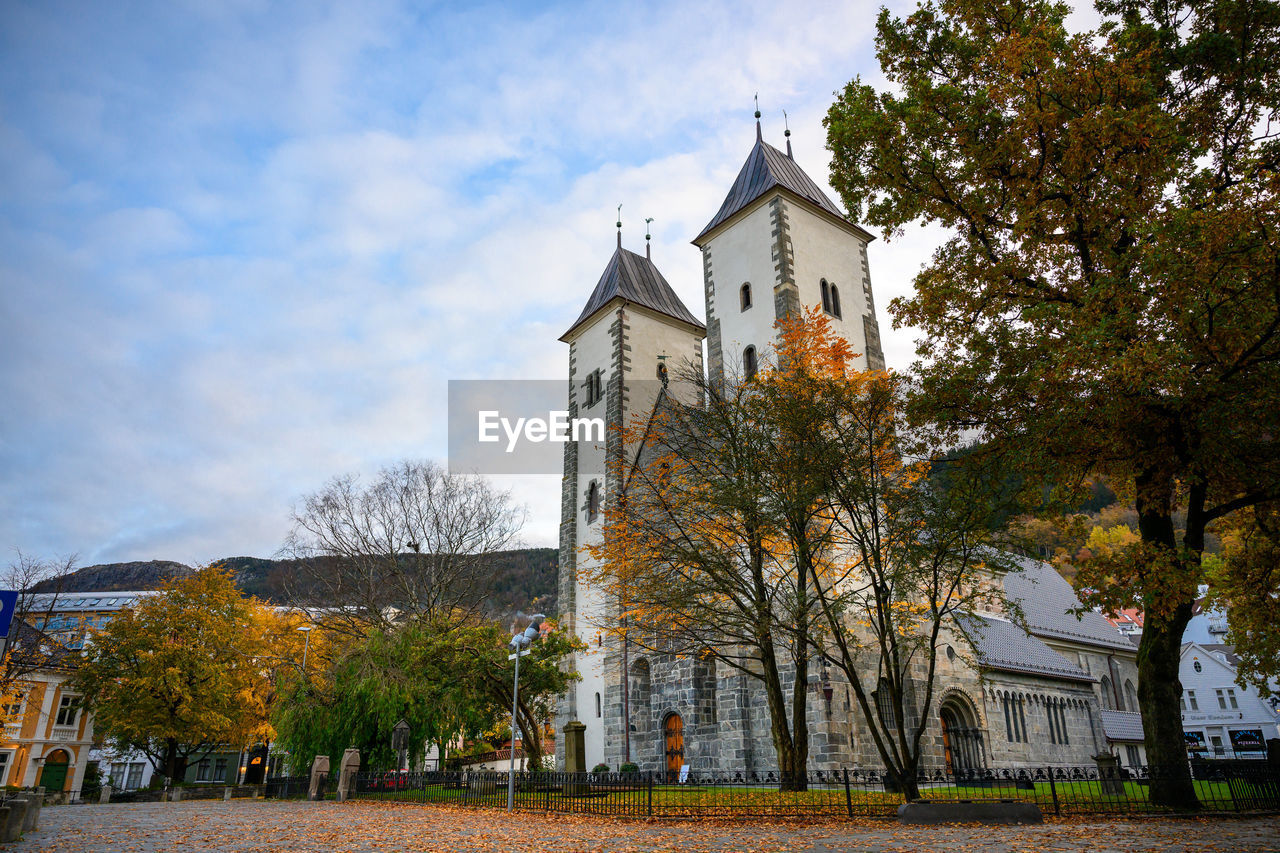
(848, 796)
(1053, 791)
(649, 806)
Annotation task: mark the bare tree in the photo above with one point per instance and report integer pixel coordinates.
(416, 540)
(36, 639)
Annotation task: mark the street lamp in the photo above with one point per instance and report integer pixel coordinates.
(519, 642)
(306, 629)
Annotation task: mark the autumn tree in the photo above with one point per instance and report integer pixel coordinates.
(185, 671)
(1108, 300)
(904, 563)
(1245, 583)
(414, 541)
(448, 679)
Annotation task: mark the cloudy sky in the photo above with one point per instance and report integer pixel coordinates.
(244, 245)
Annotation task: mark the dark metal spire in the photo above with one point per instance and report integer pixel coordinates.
(787, 134)
(646, 237)
(759, 135)
(619, 223)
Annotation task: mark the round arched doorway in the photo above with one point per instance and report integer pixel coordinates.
(961, 736)
(673, 730)
(54, 775)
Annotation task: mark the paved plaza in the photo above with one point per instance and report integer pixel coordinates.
(269, 825)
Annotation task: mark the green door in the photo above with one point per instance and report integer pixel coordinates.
(54, 777)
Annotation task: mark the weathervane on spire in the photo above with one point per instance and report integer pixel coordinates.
(619, 224)
(758, 134)
(787, 133)
(647, 220)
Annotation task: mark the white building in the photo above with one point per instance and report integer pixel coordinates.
(1219, 717)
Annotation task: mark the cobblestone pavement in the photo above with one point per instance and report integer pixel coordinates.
(245, 826)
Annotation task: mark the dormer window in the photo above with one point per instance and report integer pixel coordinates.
(594, 386)
(744, 295)
(749, 363)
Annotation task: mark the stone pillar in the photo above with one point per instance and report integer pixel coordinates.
(319, 777)
(104, 794)
(34, 802)
(575, 747)
(347, 773)
(1109, 773)
(15, 816)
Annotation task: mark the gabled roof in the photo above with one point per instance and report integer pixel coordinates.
(766, 168)
(635, 279)
(1047, 598)
(1001, 645)
(1122, 725)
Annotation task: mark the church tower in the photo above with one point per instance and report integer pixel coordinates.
(632, 329)
(776, 245)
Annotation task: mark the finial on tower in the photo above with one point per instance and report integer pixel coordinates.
(646, 237)
(787, 133)
(619, 223)
(759, 136)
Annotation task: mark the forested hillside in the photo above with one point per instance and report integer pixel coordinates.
(523, 579)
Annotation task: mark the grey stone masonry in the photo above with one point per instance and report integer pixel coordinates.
(715, 353)
(567, 581)
(786, 296)
(870, 328)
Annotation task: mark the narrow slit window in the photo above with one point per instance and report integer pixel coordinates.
(745, 295)
(835, 301)
(826, 296)
(749, 363)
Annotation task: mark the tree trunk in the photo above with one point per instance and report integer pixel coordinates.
(795, 774)
(1159, 656)
(175, 763)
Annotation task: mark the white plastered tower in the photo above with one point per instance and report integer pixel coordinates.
(632, 323)
(780, 237)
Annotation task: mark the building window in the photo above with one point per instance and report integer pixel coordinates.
(1198, 667)
(68, 710)
(598, 708)
(220, 770)
(202, 770)
(1191, 700)
(835, 302)
(13, 709)
(4, 767)
(749, 363)
(594, 387)
(1015, 719)
(744, 296)
(1222, 700)
(135, 776)
(1108, 697)
(593, 501)
(826, 296)
(1130, 695)
(1231, 697)
(1135, 757)
(884, 705)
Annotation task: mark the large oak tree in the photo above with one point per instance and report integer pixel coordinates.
(1108, 301)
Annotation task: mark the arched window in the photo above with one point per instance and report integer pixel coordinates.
(745, 295)
(593, 501)
(826, 296)
(884, 704)
(835, 301)
(1108, 697)
(1130, 696)
(749, 363)
(598, 714)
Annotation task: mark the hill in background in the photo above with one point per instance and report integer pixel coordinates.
(519, 580)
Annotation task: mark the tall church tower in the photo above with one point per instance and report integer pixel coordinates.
(632, 325)
(778, 244)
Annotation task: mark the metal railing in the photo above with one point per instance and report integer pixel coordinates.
(1236, 786)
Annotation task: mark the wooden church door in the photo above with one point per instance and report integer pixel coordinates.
(674, 727)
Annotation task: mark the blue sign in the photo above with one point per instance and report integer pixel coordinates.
(8, 604)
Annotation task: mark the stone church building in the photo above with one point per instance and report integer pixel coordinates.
(778, 243)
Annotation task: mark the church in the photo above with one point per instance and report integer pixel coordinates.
(1057, 693)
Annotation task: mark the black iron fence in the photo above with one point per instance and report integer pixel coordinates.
(1222, 787)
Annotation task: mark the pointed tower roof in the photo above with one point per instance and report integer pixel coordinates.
(766, 168)
(636, 279)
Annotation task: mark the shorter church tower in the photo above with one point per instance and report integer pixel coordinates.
(776, 245)
(632, 326)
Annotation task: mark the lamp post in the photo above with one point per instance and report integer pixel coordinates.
(306, 629)
(520, 642)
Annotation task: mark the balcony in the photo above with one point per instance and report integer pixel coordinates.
(64, 734)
